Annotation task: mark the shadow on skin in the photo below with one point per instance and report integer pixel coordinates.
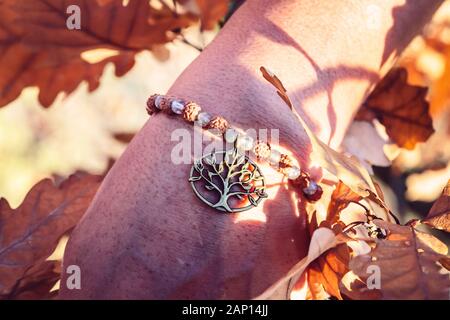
(327, 78)
(396, 41)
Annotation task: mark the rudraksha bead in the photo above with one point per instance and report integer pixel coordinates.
(285, 161)
(191, 111)
(151, 104)
(262, 150)
(218, 123)
(164, 104)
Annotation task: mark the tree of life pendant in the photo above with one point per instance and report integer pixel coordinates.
(228, 181)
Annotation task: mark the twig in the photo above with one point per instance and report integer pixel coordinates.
(183, 39)
(352, 226)
(365, 208)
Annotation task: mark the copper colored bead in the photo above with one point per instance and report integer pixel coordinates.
(300, 183)
(285, 162)
(164, 105)
(151, 106)
(218, 123)
(191, 111)
(262, 150)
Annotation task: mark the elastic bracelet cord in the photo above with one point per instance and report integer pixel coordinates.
(263, 151)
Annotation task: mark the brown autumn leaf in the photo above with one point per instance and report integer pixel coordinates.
(37, 48)
(30, 233)
(341, 197)
(445, 262)
(439, 215)
(276, 82)
(316, 289)
(352, 287)
(37, 282)
(407, 260)
(364, 141)
(328, 270)
(322, 240)
(211, 12)
(401, 108)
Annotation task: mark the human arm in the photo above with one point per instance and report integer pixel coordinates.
(146, 235)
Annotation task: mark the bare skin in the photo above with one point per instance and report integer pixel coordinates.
(146, 235)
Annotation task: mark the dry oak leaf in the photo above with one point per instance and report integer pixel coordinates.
(321, 278)
(276, 82)
(30, 233)
(209, 11)
(372, 148)
(352, 287)
(37, 49)
(323, 275)
(445, 262)
(341, 197)
(328, 270)
(401, 108)
(37, 282)
(408, 264)
(439, 215)
(322, 240)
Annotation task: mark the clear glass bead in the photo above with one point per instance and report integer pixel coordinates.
(230, 135)
(203, 118)
(158, 102)
(293, 173)
(311, 188)
(275, 157)
(177, 106)
(244, 143)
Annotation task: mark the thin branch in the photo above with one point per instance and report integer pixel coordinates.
(365, 208)
(352, 226)
(183, 39)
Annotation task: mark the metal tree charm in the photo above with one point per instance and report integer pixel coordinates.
(228, 181)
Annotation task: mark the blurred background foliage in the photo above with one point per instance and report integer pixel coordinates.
(78, 131)
(417, 176)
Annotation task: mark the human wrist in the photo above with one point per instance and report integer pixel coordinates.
(231, 173)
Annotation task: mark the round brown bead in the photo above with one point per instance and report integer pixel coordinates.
(301, 182)
(191, 111)
(262, 150)
(164, 105)
(286, 161)
(151, 106)
(218, 123)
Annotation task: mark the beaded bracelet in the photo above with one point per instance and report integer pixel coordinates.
(228, 180)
